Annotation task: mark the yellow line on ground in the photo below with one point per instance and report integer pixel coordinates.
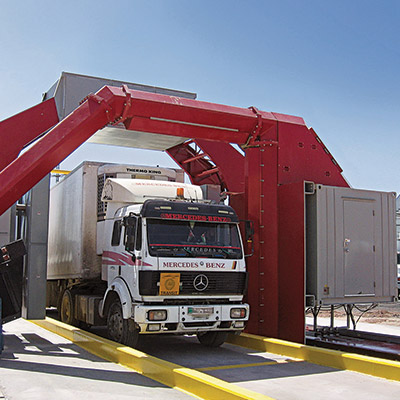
(173, 375)
(259, 364)
(331, 358)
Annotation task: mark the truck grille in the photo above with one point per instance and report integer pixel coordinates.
(219, 283)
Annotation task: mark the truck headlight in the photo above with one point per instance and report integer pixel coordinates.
(238, 324)
(238, 313)
(157, 315)
(153, 327)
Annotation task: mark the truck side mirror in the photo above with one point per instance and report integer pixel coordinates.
(139, 234)
(249, 230)
(130, 233)
(129, 221)
(249, 233)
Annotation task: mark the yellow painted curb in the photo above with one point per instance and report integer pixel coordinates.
(330, 358)
(188, 380)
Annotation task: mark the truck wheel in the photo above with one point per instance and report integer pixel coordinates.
(212, 339)
(67, 308)
(118, 327)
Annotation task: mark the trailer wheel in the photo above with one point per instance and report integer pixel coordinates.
(212, 339)
(119, 328)
(67, 308)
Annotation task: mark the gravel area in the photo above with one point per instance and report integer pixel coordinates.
(385, 314)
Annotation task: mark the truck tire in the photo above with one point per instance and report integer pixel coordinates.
(119, 328)
(212, 339)
(67, 308)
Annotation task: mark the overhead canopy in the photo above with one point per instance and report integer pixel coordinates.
(71, 89)
(119, 136)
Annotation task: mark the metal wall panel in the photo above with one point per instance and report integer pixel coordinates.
(359, 254)
(5, 236)
(398, 223)
(34, 290)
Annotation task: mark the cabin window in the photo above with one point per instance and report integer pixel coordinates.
(116, 234)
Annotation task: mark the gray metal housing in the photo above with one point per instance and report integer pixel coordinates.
(71, 89)
(350, 246)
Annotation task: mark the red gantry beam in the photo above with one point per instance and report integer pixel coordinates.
(53, 147)
(146, 112)
(177, 116)
(21, 129)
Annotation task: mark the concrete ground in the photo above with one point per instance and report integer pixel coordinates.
(280, 378)
(37, 364)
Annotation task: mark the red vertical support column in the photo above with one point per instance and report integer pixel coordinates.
(262, 208)
(253, 202)
(231, 167)
(291, 262)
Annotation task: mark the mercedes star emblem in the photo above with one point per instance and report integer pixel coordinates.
(200, 283)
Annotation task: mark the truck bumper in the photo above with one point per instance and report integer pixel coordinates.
(191, 318)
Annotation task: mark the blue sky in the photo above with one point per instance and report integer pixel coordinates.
(336, 64)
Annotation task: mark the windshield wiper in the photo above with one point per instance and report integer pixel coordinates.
(168, 251)
(189, 252)
(225, 254)
(163, 251)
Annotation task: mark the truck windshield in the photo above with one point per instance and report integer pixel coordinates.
(168, 238)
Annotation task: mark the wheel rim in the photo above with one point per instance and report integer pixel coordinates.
(115, 323)
(66, 307)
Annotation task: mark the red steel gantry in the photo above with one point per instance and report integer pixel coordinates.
(266, 184)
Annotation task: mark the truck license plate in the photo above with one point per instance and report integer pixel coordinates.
(200, 311)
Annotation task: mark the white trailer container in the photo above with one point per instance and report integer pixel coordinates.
(75, 237)
(72, 228)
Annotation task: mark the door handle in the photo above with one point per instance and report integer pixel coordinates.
(346, 244)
